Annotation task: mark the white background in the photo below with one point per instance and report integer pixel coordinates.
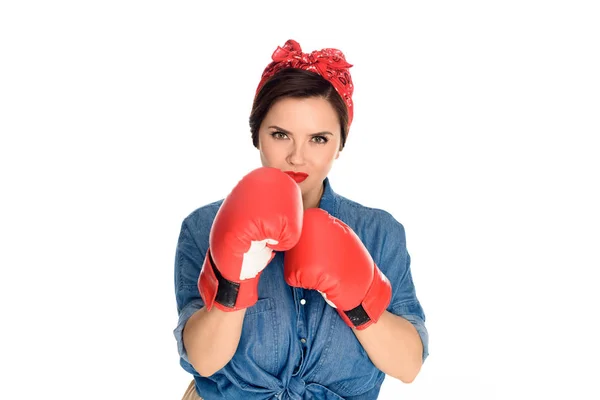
(476, 126)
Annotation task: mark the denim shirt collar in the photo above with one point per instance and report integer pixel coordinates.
(328, 198)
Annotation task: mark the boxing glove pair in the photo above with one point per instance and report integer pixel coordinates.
(263, 214)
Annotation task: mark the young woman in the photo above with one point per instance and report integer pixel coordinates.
(286, 289)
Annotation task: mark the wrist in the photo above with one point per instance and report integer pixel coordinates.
(372, 306)
(223, 293)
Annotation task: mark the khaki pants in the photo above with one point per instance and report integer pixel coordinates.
(190, 393)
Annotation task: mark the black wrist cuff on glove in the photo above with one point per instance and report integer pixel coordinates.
(227, 291)
(358, 316)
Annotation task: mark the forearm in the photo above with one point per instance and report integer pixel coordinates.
(211, 338)
(394, 346)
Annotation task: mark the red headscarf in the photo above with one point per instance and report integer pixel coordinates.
(329, 63)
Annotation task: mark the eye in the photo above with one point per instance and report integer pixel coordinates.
(278, 135)
(320, 139)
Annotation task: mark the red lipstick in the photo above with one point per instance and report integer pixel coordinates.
(297, 176)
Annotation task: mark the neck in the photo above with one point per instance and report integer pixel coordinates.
(312, 199)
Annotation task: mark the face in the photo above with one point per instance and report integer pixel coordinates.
(301, 135)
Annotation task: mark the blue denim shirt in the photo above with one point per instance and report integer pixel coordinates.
(293, 344)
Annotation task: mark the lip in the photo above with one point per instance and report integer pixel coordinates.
(297, 176)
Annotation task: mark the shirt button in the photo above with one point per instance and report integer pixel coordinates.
(303, 302)
(303, 340)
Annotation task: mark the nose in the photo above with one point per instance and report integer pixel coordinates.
(296, 155)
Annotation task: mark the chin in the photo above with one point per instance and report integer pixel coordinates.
(307, 187)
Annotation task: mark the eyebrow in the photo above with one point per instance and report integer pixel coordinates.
(288, 132)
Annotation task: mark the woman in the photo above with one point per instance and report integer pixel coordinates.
(285, 289)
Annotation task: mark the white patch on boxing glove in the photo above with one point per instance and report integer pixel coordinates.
(326, 299)
(256, 258)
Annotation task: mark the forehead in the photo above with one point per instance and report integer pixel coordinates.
(311, 114)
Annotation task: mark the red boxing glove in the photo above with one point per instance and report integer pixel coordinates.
(262, 213)
(331, 258)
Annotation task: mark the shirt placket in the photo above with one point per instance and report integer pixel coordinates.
(301, 322)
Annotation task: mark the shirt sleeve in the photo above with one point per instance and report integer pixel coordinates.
(395, 263)
(188, 262)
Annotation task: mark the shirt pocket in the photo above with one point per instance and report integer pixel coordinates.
(256, 360)
(345, 367)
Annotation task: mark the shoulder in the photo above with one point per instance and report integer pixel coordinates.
(370, 222)
(200, 220)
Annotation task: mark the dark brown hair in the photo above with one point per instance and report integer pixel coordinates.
(297, 83)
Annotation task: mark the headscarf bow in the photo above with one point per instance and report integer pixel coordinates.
(329, 63)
